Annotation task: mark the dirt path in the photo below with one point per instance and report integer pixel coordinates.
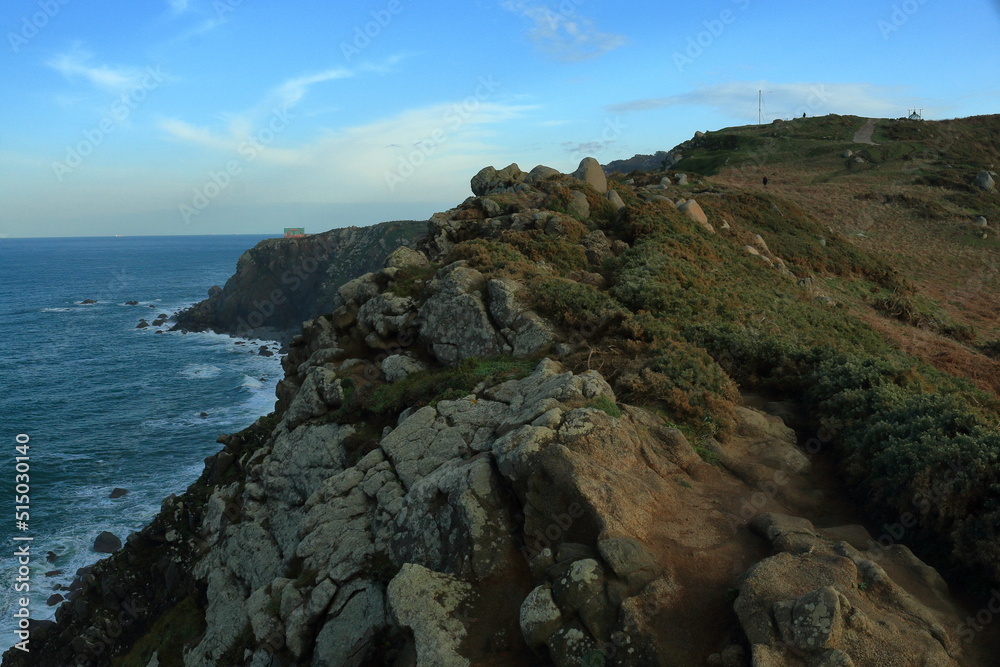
(864, 135)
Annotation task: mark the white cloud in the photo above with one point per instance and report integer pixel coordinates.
(565, 35)
(178, 6)
(77, 64)
(782, 100)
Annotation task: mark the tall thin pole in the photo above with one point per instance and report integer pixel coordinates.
(760, 97)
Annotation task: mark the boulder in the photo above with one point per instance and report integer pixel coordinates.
(540, 173)
(54, 599)
(984, 181)
(682, 179)
(539, 617)
(107, 543)
(489, 180)
(398, 367)
(131, 303)
(143, 324)
(981, 221)
(615, 200)
(578, 206)
(428, 603)
(590, 172)
(692, 209)
(403, 257)
(118, 493)
(665, 181)
(88, 302)
(454, 321)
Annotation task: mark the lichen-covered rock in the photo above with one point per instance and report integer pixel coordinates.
(454, 322)
(539, 617)
(525, 331)
(398, 367)
(428, 603)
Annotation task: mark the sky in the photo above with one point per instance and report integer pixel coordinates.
(248, 116)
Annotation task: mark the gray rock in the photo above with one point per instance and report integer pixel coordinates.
(357, 615)
(321, 391)
(629, 560)
(981, 221)
(578, 206)
(454, 321)
(539, 617)
(525, 331)
(359, 290)
(427, 603)
(398, 367)
(590, 171)
(490, 181)
(682, 179)
(107, 543)
(813, 621)
(540, 173)
(984, 181)
(615, 200)
(692, 209)
(404, 257)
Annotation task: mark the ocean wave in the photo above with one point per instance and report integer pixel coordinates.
(57, 310)
(199, 371)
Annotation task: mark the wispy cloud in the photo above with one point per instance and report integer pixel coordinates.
(78, 64)
(565, 35)
(178, 7)
(782, 100)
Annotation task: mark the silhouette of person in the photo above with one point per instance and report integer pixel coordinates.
(765, 181)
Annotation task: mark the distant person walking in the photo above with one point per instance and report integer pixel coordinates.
(765, 181)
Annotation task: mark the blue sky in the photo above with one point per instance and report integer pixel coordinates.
(246, 116)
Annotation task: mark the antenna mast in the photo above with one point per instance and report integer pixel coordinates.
(760, 98)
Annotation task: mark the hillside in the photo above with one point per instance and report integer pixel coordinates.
(616, 421)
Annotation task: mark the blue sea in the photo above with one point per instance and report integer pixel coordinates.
(106, 404)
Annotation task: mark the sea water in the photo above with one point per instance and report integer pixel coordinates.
(105, 404)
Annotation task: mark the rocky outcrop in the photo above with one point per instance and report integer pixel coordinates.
(279, 283)
(443, 482)
(984, 181)
(821, 602)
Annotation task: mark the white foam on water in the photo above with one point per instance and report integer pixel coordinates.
(199, 371)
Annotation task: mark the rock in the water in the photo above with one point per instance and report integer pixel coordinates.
(985, 181)
(131, 303)
(54, 599)
(265, 351)
(590, 172)
(578, 206)
(143, 324)
(88, 302)
(51, 556)
(107, 543)
(118, 492)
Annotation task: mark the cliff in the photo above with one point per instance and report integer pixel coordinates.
(587, 421)
(280, 283)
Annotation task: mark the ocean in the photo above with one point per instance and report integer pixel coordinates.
(105, 404)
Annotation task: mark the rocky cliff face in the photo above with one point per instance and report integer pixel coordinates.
(445, 481)
(280, 283)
